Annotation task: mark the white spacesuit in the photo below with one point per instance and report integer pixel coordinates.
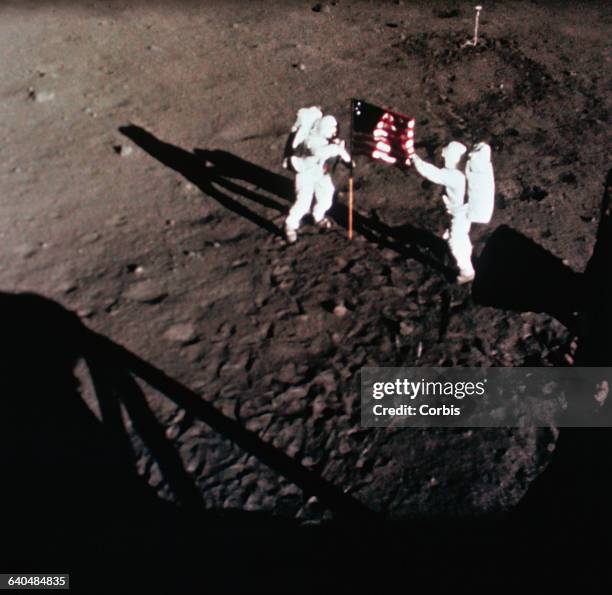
(312, 177)
(454, 181)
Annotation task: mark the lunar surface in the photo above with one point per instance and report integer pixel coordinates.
(175, 357)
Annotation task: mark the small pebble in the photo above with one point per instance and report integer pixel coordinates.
(90, 238)
(117, 220)
(172, 432)
(67, 287)
(340, 310)
(41, 96)
(123, 150)
(146, 292)
(25, 250)
(85, 312)
(181, 333)
(406, 329)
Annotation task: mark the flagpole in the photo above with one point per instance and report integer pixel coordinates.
(350, 212)
(350, 216)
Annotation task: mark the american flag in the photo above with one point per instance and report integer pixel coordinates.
(381, 134)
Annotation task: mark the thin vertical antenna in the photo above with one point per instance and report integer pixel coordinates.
(478, 9)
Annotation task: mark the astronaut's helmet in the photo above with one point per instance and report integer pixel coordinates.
(327, 127)
(452, 153)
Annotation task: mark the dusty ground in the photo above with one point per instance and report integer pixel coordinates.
(141, 187)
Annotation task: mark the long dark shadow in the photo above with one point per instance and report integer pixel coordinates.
(194, 170)
(227, 165)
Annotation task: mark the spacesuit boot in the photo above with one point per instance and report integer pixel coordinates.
(290, 235)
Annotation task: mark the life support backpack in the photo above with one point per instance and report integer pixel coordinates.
(311, 132)
(480, 184)
(305, 120)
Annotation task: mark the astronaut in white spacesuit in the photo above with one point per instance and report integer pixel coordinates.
(480, 191)
(315, 143)
(453, 180)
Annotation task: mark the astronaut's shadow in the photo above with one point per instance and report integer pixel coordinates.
(226, 166)
(211, 171)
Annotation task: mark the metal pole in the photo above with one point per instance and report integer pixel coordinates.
(478, 9)
(350, 212)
